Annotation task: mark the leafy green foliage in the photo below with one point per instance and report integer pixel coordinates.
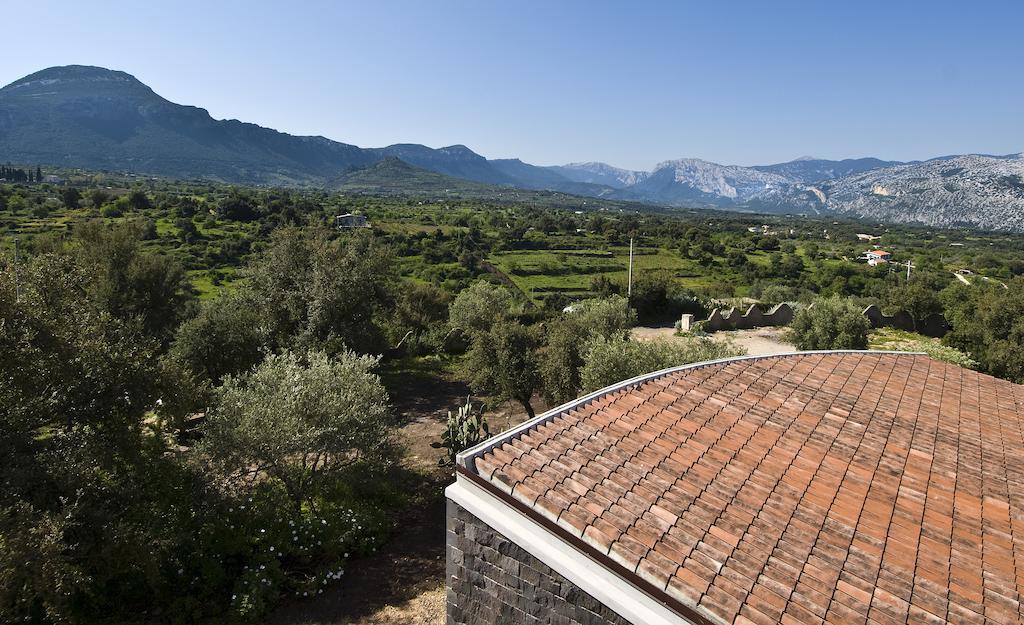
(988, 324)
(227, 337)
(830, 323)
(299, 419)
(131, 283)
(916, 299)
(615, 359)
(502, 364)
(479, 307)
(562, 356)
(314, 292)
(81, 478)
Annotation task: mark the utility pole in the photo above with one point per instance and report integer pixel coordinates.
(908, 271)
(17, 271)
(629, 281)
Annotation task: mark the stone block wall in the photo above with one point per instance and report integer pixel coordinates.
(780, 315)
(492, 581)
(934, 325)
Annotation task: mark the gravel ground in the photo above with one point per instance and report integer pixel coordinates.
(757, 342)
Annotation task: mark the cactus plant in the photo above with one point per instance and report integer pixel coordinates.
(466, 428)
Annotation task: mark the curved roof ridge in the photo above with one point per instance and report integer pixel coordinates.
(465, 458)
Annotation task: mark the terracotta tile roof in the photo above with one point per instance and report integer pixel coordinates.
(809, 488)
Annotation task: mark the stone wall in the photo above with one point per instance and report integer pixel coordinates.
(934, 325)
(492, 581)
(780, 315)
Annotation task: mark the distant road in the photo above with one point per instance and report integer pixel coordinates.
(986, 278)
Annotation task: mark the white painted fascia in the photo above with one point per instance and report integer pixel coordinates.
(613, 591)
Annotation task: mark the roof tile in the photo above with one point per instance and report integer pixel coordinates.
(806, 488)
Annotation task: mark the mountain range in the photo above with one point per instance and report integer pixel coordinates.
(94, 118)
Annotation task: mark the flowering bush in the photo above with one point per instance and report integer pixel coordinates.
(254, 550)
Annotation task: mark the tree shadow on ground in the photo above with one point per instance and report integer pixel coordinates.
(411, 563)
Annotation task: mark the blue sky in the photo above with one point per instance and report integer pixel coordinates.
(628, 83)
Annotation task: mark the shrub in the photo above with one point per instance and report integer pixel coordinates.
(225, 338)
(656, 296)
(111, 211)
(295, 420)
(561, 358)
(138, 200)
(481, 305)
(830, 323)
(603, 317)
(608, 361)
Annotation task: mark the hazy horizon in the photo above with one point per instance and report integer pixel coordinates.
(574, 81)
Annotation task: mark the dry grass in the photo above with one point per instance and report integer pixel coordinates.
(426, 608)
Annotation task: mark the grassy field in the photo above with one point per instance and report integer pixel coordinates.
(572, 263)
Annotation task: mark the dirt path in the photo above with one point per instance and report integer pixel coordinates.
(758, 341)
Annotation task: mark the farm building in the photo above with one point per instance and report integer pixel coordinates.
(816, 487)
(877, 257)
(348, 220)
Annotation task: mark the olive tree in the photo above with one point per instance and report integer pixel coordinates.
(228, 336)
(314, 292)
(917, 299)
(608, 361)
(562, 356)
(478, 307)
(502, 364)
(831, 323)
(299, 419)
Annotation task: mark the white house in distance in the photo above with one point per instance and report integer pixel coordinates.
(348, 220)
(877, 257)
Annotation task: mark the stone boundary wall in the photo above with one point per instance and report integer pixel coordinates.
(779, 315)
(493, 581)
(934, 325)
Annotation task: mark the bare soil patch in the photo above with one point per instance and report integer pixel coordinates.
(758, 341)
